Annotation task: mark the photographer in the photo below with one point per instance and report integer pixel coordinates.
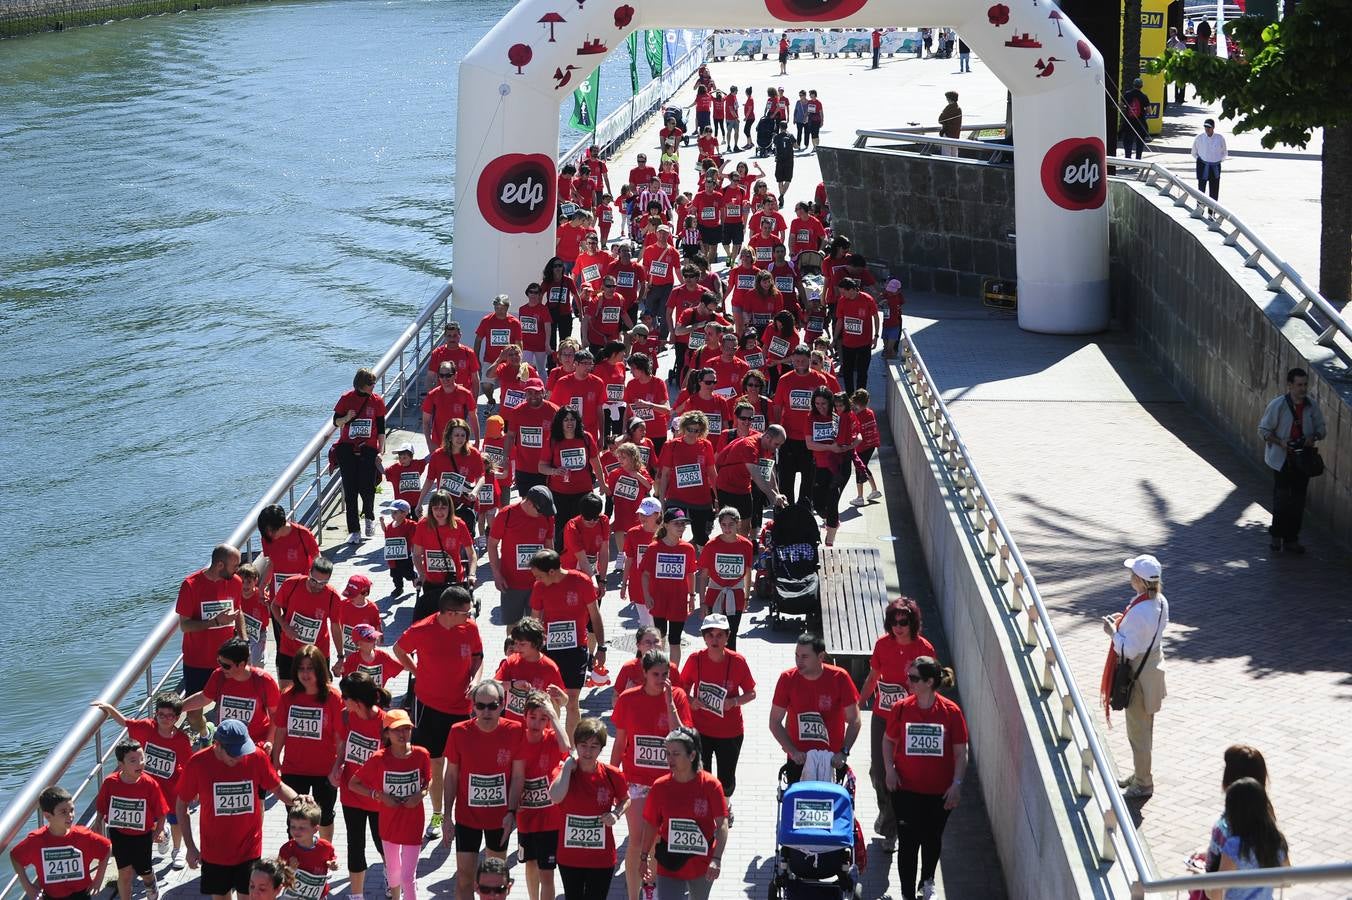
(1290, 426)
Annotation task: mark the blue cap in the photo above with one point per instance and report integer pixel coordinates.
(233, 736)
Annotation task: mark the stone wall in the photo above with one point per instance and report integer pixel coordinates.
(937, 223)
(19, 17)
(1222, 339)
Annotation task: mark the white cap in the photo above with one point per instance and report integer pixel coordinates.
(649, 506)
(1144, 566)
(714, 620)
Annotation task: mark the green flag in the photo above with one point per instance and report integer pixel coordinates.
(633, 62)
(652, 43)
(584, 102)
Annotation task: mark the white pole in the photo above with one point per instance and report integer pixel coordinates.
(1222, 49)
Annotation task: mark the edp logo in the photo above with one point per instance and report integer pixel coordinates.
(1073, 174)
(516, 193)
(529, 192)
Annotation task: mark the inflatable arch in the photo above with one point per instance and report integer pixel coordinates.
(513, 81)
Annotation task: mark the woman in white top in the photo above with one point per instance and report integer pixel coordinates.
(1137, 636)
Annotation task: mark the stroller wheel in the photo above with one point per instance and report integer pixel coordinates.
(776, 888)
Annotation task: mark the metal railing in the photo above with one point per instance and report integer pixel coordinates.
(927, 144)
(616, 128)
(309, 491)
(1024, 607)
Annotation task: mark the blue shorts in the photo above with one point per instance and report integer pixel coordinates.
(892, 333)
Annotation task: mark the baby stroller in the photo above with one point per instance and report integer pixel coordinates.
(765, 132)
(809, 262)
(675, 112)
(793, 557)
(816, 844)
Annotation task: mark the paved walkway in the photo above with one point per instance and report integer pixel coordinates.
(1094, 458)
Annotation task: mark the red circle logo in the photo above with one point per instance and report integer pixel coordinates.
(516, 193)
(1075, 173)
(813, 10)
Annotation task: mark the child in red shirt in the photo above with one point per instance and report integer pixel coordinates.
(499, 471)
(405, 476)
(65, 872)
(132, 809)
(890, 308)
(309, 855)
(255, 610)
(867, 422)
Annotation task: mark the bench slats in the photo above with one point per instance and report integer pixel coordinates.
(854, 596)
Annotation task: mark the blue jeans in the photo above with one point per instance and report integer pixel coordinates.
(964, 62)
(1209, 177)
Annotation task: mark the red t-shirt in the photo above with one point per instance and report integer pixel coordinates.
(805, 234)
(641, 175)
(691, 479)
(201, 598)
(382, 668)
(561, 294)
(741, 281)
(890, 308)
(631, 675)
(684, 816)
(308, 614)
(583, 841)
(131, 808)
(925, 739)
(361, 740)
(661, 265)
(707, 204)
(586, 396)
(293, 554)
(734, 203)
(892, 661)
(793, 401)
(311, 729)
(647, 722)
(868, 428)
(839, 430)
(604, 320)
(854, 320)
(564, 608)
(400, 778)
(590, 267)
(733, 476)
(584, 192)
(712, 683)
(777, 227)
(63, 863)
(445, 405)
(496, 334)
(816, 709)
(569, 241)
(522, 536)
(406, 480)
(727, 562)
(763, 245)
(535, 324)
(456, 473)
(485, 761)
(626, 492)
(671, 578)
(351, 615)
(165, 756)
(466, 364)
(541, 673)
(231, 824)
(445, 658)
(579, 537)
(655, 391)
(730, 373)
(636, 541)
(312, 865)
(778, 347)
(529, 425)
(398, 541)
(366, 428)
(537, 812)
(627, 278)
(575, 456)
(252, 700)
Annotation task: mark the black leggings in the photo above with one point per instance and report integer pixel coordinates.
(671, 629)
(861, 471)
(748, 124)
(317, 786)
(355, 820)
(920, 830)
(854, 367)
(585, 883)
(357, 468)
(795, 460)
(562, 320)
(565, 508)
(726, 751)
(826, 493)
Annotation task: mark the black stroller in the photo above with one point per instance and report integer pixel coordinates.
(792, 563)
(675, 112)
(765, 133)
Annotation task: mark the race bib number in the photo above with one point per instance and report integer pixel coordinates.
(535, 793)
(659, 268)
(758, 422)
(591, 272)
(716, 419)
(60, 864)
(499, 337)
(241, 708)
(812, 813)
(253, 628)
(713, 696)
(558, 295)
(854, 326)
(533, 436)
(213, 608)
(438, 561)
(816, 324)
(650, 751)
(812, 727)
(708, 214)
(160, 761)
(516, 700)
(684, 836)
(524, 552)
(574, 459)
(624, 279)
(349, 643)
(562, 635)
(485, 495)
(690, 475)
(644, 451)
(584, 833)
(670, 566)
(487, 791)
(626, 488)
(778, 347)
(308, 885)
(376, 672)
(824, 432)
(644, 413)
(766, 467)
(359, 428)
(305, 627)
(755, 360)
(729, 565)
(530, 325)
(127, 813)
(697, 340)
(496, 457)
(746, 282)
(802, 236)
(889, 695)
(924, 739)
(396, 549)
(610, 315)
(734, 211)
(764, 254)
(800, 399)
(575, 404)
(883, 308)
(410, 482)
(402, 785)
(454, 483)
(305, 722)
(614, 393)
(512, 398)
(233, 798)
(359, 747)
(784, 284)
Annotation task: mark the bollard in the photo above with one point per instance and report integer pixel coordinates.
(1002, 575)
(1108, 852)
(1030, 633)
(1016, 596)
(991, 528)
(1086, 787)
(1067, 706)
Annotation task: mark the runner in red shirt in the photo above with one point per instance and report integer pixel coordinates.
(724, 569)
(832, 438)
(869, 441)
(519, 532)
(360, 731)
(763, 241)
(806, 231)
(398, 778)
(289, 548)
(483, 782)
(606, 316)
(779, 339)
(641, 173)
(735, 206)
(667, 579)
(584, 392)
(565, 602)
(708, 206)
(856, 328)
(535, 326)
(242, 692)
(586, 541)
(304, 608)
(527, 669)
(445, 402)
(303, 749)
(573, 465)
(720, 684)
(661, 262)
(209, 613)
(769, 209)
(544, 745)
(310, 856)
(591, 796)
(496, 331)
(440, 542)
(685, 818)
(791, 408)
(686, 473)
(61, 852)
(592, 263)
(356, 609)
(584, 188)
(569, 235)
(373, 661)
(647, 398)
(627, 485)
(466, 364)
(815, 707)
(635, 547)
(405, 475)
(715, 407)
(527, 425)
(628, 274)
(131, 809)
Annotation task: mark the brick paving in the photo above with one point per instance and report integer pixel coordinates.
(1093, 458)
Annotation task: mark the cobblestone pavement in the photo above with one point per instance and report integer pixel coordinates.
(1094, 458)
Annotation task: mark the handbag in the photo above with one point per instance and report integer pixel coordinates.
(1124, 679)
(1306, 460)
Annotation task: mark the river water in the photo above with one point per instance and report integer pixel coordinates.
(207, 222)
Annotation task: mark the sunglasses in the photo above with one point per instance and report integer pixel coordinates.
(914, 679)
(901, 620)
(482, 706)
(708, 383)
(745, 418)
(446, 375)
(498, 891)
(531, 293)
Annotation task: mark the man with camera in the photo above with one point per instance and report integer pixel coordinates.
(1290, 426)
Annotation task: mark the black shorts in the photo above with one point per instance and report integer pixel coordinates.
(317, 786)
(784, 57)
(539, 847)
(432, 727)
(671, 629)
(711, 234)
(784, 173)
(218, 879)
(814, 129)
(132, 850)
(194, 679)
(468, 840)
(740, 502)
(572, 665)
(734, 232)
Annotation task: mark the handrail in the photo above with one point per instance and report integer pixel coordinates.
(1057, 675)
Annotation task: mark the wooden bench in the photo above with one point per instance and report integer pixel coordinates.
(854, 597)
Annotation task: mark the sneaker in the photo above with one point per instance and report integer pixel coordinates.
(927, 889)
(163, 846)
(370, 529)
(859, 501)
(875, 495)
(1139, 791)
(433, 827)
(1127, 782)
(176, 862)
(152, 891)
(354, 538)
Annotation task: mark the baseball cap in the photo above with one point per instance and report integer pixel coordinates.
(649, 506)
(357, 584)
(675, 514)
(233, 736)
(365, 632)
(893, 285)
(407, 448)
(533, 384)
(1137, 83)
(1144, 566)
(714, 620)
(401, 506)
(1210, 123)
(542, 499)
(396, 718)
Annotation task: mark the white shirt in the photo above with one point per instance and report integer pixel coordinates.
(1209, 147)
(1137, 630)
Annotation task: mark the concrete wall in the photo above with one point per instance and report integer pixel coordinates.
(30, 16)
(939, 224)
(1045, 845)
(1222, 339)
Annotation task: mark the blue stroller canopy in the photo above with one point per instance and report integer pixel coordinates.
(816, 816)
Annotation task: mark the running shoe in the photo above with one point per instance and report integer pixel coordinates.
(859, 501)
(434, 827)
(204, 739)
(176, 862)
(927, 889)
(1126, 782)
(875, 495)
(370, 529)
(1139, 791)
(354, 538)
(152, 891)
(164, 845)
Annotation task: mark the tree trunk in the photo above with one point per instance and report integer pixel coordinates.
(1131, 42)
(1335, 237)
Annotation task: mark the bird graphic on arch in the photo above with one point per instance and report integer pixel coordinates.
(563, 75)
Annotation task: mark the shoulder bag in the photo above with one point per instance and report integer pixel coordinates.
(1124, 679)
(1306, 460)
